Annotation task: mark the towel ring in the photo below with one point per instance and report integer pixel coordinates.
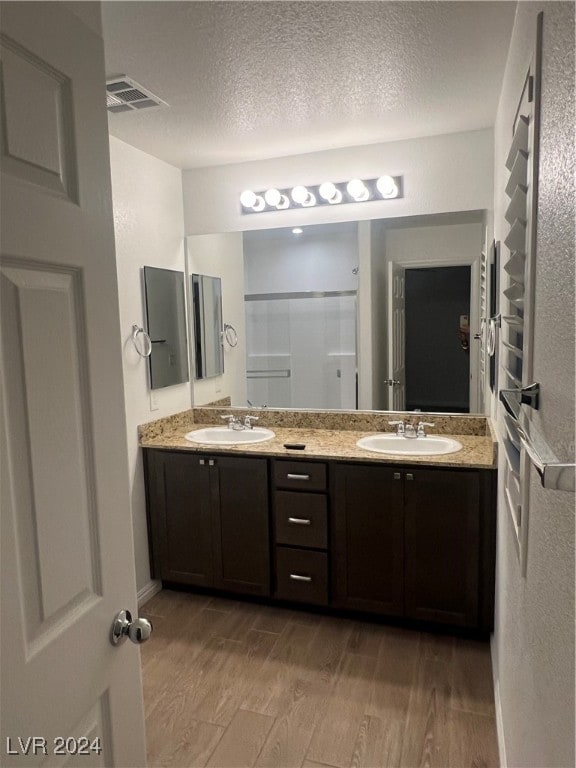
(230, 335)
(147, 350)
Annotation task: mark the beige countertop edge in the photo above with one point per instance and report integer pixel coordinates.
(478, 452)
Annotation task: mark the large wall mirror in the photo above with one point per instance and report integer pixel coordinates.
(166, 314)
(207, 314)
(389, 320)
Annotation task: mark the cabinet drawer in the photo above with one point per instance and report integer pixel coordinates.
(301, 519)
(302, 575)
(300, 475)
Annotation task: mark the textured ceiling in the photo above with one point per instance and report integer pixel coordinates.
(254, 80)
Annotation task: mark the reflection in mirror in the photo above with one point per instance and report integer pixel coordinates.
(300, 301)
(386, 326)
(207, 313)
(166, 314)
(437, 342)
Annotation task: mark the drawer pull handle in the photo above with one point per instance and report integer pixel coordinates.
(299, 521)
(297, 477)
(298, 577)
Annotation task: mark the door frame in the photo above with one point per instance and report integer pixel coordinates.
(474, 264)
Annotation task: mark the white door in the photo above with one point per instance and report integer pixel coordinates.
(396, 338)
(66, 541)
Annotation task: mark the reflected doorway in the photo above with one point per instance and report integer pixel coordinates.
(437, 338)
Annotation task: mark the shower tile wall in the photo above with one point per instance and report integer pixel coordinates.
(301, 352)
(308, 348)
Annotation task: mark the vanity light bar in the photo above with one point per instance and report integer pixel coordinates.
(327, 193)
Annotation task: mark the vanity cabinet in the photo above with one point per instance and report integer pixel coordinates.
(442, 534)
(368, 539)
(408, 542)
(300, 511)
(208, 520)
(415, 542)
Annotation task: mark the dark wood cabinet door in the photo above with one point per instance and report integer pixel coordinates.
(442, 544)
(180, 510)
(241, 532)
(367, 536)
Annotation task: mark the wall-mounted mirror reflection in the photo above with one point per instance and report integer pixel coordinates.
(300, 304)
(371, 315)
(166, 316)
(207, 314)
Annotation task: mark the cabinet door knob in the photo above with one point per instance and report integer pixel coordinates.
(409, 476)
(299, 521)
(201, 462)
(292, 476)
(211, 463)
(298, 577)
(397, 475)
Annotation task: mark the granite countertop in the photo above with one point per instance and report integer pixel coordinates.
(478, 451)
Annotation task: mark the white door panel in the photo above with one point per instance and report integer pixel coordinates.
(67, 553)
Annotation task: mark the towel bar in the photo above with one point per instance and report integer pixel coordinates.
(554, 474)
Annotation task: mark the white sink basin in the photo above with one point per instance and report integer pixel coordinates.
(431, 445)
(227, 436)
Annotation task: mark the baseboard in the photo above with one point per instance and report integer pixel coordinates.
(148, 591)
(499, 718)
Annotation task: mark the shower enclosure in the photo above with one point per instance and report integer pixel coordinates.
(301, 349)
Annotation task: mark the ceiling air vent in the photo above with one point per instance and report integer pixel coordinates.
(125, 95)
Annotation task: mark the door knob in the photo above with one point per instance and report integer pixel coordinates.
(138, 630)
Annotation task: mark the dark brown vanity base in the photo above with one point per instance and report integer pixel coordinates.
(413, 544)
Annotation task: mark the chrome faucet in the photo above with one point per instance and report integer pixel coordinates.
(233, 422)
(248, 421)
(408, 430)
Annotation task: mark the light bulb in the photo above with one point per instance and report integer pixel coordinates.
(248, 198)
(358, 190)
(276, 199)
(303, 196)
(259, 204)
(387, 187)
(283, 203)
(272, 197)
(300, 194)
(330, 192)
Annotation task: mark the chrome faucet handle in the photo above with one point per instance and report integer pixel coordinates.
(400, 426)
(421, 432)
(230, 418)
(248, 421)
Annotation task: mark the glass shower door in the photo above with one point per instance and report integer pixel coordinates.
(301, 350)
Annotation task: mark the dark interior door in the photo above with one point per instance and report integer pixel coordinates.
(437, 357)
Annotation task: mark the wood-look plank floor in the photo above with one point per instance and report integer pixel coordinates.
(229, 684)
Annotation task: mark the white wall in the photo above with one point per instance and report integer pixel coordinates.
(366, 310)
(148, 224)
(533, 647)
(445, 173)
(222, 256)
(313, 261)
